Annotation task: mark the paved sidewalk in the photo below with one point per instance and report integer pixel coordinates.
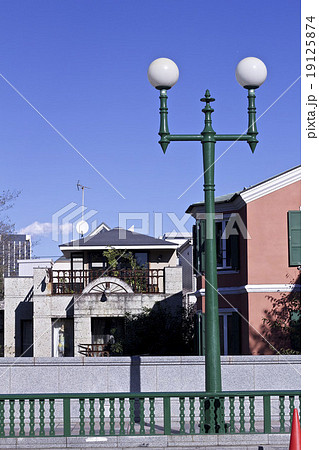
(160, 442)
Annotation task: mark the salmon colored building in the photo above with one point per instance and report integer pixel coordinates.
(258, 259)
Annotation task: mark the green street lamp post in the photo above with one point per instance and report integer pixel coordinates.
(251, 72)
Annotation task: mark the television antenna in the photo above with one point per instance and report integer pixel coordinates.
(82, 227)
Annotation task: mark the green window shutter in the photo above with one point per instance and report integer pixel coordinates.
(200, 333)
(294, 237)
(195, 250)
(198, 246)
(295, 316)
(202, 231)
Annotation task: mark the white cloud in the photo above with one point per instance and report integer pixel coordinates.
(45, 228)
(37, 228)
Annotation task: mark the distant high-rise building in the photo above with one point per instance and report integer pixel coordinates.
(12, 248)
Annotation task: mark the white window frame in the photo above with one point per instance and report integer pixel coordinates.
(225, 312)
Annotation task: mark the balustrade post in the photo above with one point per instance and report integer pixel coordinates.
(267, 415)
(167, 416)
(67, 416)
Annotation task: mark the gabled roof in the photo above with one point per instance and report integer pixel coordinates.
(256, 191)
(102, 226)
(117, 238)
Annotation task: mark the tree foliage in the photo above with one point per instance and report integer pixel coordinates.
(6, 202)
(116, 257)
(283, 322)
(6, 227)
(159, 331)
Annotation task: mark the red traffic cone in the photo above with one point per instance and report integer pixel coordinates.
(295, 436)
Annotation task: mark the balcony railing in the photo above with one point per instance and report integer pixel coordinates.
(140, 280)
(140, 414)
(94, 350)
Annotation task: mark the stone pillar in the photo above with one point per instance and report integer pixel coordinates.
(9, 326)
(82, 332)
(41, 282)
(173, 280)
(16, 291)
(42, 336)
(42, 323)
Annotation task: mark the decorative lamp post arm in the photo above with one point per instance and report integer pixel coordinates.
(252, 127)
(252, 132)
(163, 131)
(166, 137)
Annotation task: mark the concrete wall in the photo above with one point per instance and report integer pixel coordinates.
(145, 374)
(26, 266)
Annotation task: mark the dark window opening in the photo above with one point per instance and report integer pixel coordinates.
(27, 338)
(141, 259)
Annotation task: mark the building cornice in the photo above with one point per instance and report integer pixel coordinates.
(253, 288)
(272, 185)
(252, 193)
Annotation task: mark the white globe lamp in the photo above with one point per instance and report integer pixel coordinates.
(251, 73)
(163, 73)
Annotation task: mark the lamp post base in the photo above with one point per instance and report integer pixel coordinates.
(214, 416)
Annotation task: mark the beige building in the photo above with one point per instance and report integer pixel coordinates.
(76, 305)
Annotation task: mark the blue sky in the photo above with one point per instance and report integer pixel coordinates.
(83, 66)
